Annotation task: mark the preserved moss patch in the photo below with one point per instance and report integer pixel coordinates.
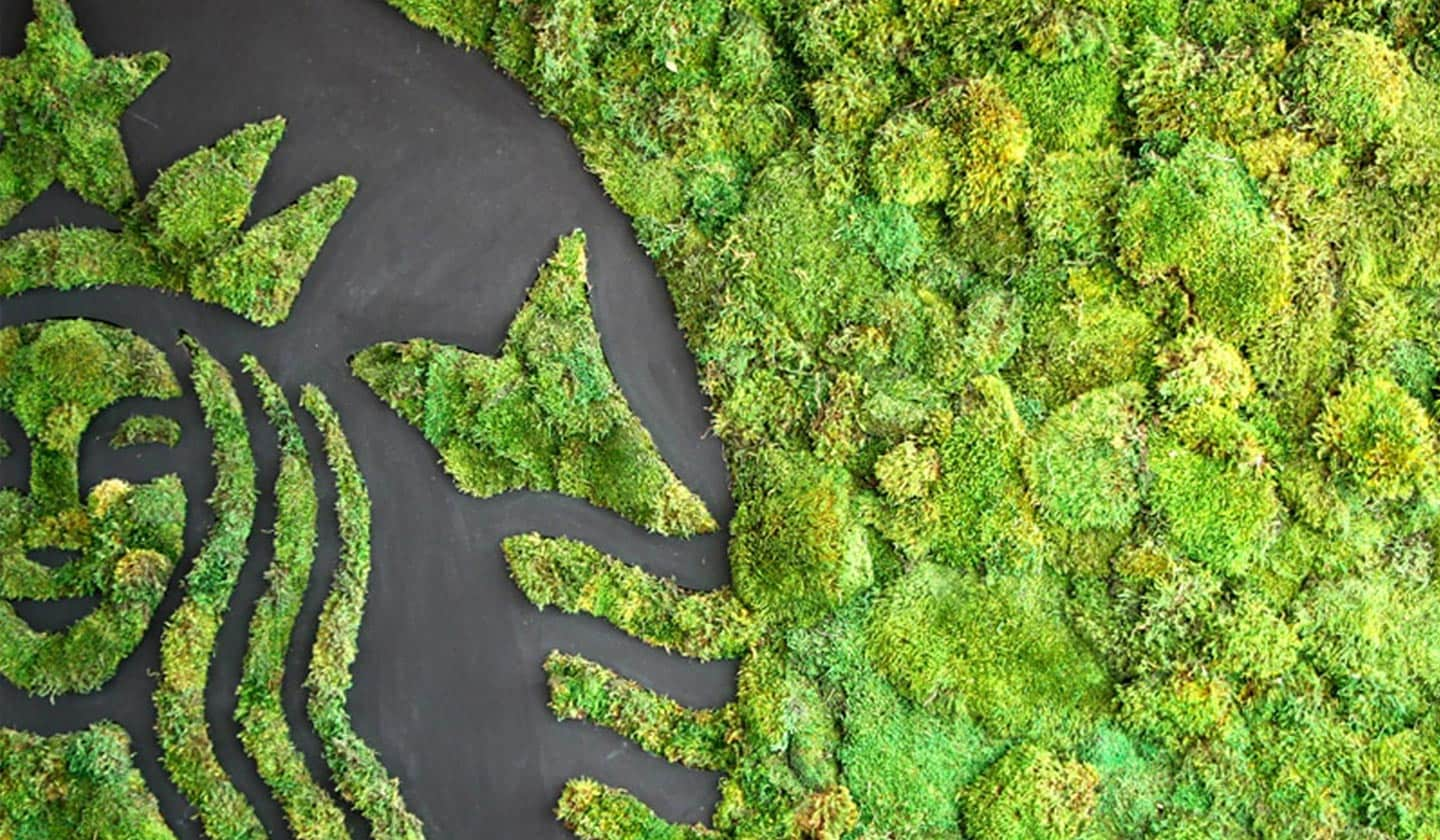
(79, 784)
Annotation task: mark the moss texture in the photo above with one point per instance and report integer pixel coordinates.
(79, 784)
(59, 113)
(188, 643)
(259, 709)
(1076, 367)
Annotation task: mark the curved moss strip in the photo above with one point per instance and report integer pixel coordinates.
(188, 643)
(358, 772)
(579, 578)
(264, 731)
(584, 690)
(77, 784)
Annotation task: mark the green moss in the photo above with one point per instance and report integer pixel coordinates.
(792, 574)
(597, 812)
(545, 415)
(1030, 794)
(59, 113)
(1062, 296)
(1084, 465)
(79, 784)
(259, 708)
(908, 161)
(1218, 513)
(354, 765)
(1024, 674)
(55, 377)
(138, 430)
(1353, 83)
(188, 642)
(579, 579)
(1198, 222)
(977, 511)
(1379, 437)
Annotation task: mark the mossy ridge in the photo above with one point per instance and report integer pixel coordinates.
(578, 578)
(356, 768)
(546, 414)
(147, 429)
(55, 376)
(259, 709)
(59, 112)
(187, 645)
(1185, 243)
(77, 784)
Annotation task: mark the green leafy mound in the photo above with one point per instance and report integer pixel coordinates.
(80, 784)
(544, 415)
(1127, 306)
(996, 649)
(798, 549)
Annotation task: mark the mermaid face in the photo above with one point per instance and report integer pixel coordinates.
(55, 377)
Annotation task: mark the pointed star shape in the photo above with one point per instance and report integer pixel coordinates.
(60, 109)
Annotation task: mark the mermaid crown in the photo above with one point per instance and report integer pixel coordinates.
(60, 108)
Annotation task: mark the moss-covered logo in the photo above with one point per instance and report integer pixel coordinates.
(59, 112)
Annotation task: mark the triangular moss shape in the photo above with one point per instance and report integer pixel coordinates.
(545, 415)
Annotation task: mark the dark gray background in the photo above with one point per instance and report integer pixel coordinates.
(464, 189)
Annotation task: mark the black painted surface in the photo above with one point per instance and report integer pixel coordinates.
(464, 189)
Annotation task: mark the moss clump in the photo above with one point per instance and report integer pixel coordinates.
(1379, 437)
(1353, 83)
(356, 768)
(139, 430)
(791, 573)
(80, 784)
(545, 415)
(977, 511)
(1030, 674)
(1084, 465)
(1030, 794)
(1198, 222)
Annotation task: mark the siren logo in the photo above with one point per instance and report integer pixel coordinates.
(546, 414)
